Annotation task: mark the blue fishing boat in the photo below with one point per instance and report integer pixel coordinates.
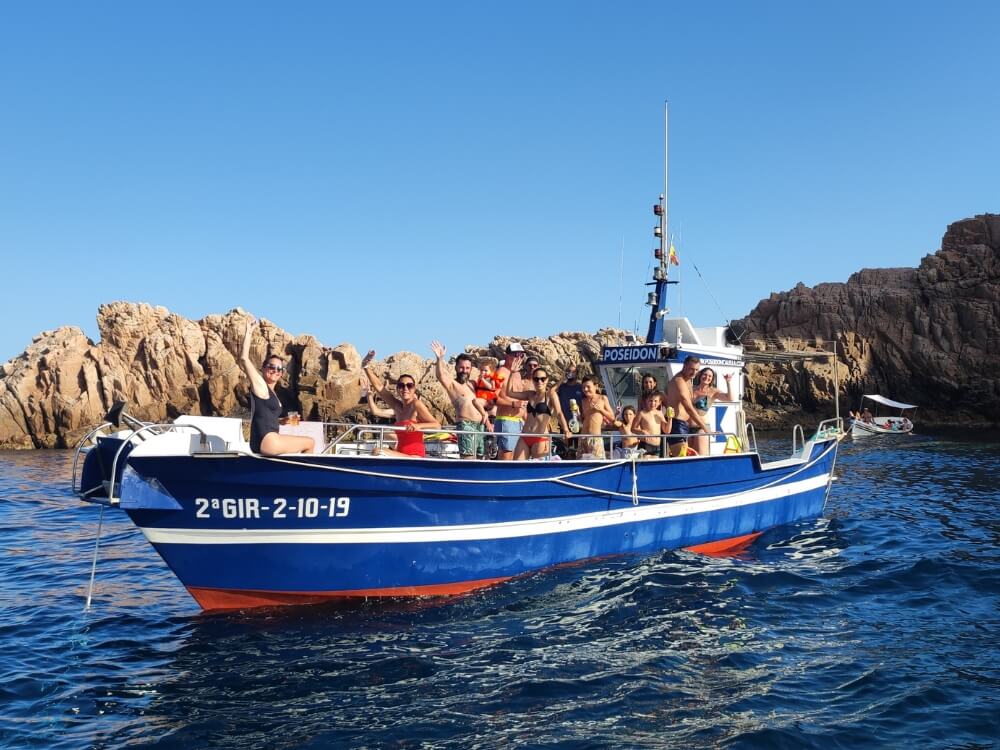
(240, 529)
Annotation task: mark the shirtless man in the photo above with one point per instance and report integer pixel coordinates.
(596, 410)
(680, 400)
(651, 421)
(470, 412)
(509, 419)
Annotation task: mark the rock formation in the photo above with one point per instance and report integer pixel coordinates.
(928, 336)
(163, 365)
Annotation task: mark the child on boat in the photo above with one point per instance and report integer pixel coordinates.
(627, 443)
(652, 422)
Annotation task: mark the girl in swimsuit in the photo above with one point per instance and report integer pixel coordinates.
(542, 405)
(410, 412)
(265, 406)
(703, 394)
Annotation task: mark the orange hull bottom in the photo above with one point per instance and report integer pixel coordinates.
(210, 599)
(215, 599)
(725, 546)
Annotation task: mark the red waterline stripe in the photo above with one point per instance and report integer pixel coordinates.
(725, 546)
(211, 599)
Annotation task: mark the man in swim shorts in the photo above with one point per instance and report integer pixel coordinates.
(510, 417)
(470, 413)
(679, 397)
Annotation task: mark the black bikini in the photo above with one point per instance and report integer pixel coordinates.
(541, 408)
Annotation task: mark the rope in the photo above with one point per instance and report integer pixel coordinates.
(442, 480)
(560, 480)
(93, 565)
(653, 499)
(635, 483)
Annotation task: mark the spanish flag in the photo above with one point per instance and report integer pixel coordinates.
(672, 256)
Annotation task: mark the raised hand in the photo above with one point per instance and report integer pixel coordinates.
(438, 349)
(368, 358)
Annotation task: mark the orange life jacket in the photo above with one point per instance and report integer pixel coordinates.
(487, 386)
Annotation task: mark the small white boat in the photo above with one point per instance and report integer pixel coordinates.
(866, 424)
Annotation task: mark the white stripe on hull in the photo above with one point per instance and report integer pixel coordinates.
(482, 532)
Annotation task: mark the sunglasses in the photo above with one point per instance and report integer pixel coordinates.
(274, 368)
(539, 380)
(406, 386)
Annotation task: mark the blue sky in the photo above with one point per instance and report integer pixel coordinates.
(388, 173)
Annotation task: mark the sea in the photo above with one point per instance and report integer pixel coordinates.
(874, 626)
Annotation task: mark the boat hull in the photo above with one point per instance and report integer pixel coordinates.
(246, 531)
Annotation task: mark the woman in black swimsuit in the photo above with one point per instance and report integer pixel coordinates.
(543, 404)
(265, 407)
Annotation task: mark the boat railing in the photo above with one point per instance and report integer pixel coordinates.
(832, 427)
(752, 437)
(158, 429)
(797, 435)
(340, 435)
(80, 446)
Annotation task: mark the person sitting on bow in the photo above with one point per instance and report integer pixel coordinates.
(265, 406)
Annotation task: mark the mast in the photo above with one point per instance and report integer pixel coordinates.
(664, 223)
(658, 299)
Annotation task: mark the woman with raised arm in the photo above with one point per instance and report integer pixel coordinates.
(703, 394)
(542, 405)
(265, 407)
(409, 411)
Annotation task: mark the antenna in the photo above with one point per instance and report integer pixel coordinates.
(621, 278)
(666, 157)
(661, 276)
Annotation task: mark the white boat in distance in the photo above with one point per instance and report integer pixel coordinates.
(865, 424)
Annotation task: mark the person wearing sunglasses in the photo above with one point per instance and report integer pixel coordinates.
(509, 416)
(265, 406)
(542, 404)
(410, 412)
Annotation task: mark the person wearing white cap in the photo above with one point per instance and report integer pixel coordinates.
(509, 420)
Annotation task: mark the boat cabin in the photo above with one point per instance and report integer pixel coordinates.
(622, 368)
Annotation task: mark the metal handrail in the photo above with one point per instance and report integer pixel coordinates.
(830, 427)
(78, 449)
(381, 429)
(752, 433)
(136, 433)
(797, 430)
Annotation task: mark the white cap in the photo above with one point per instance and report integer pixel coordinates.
(514, 347)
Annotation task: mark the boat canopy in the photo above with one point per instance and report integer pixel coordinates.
(888, 402)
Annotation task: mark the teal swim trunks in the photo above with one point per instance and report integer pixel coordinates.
(470, 445)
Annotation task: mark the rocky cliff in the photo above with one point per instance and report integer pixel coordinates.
(164, 365)
(928, 335)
